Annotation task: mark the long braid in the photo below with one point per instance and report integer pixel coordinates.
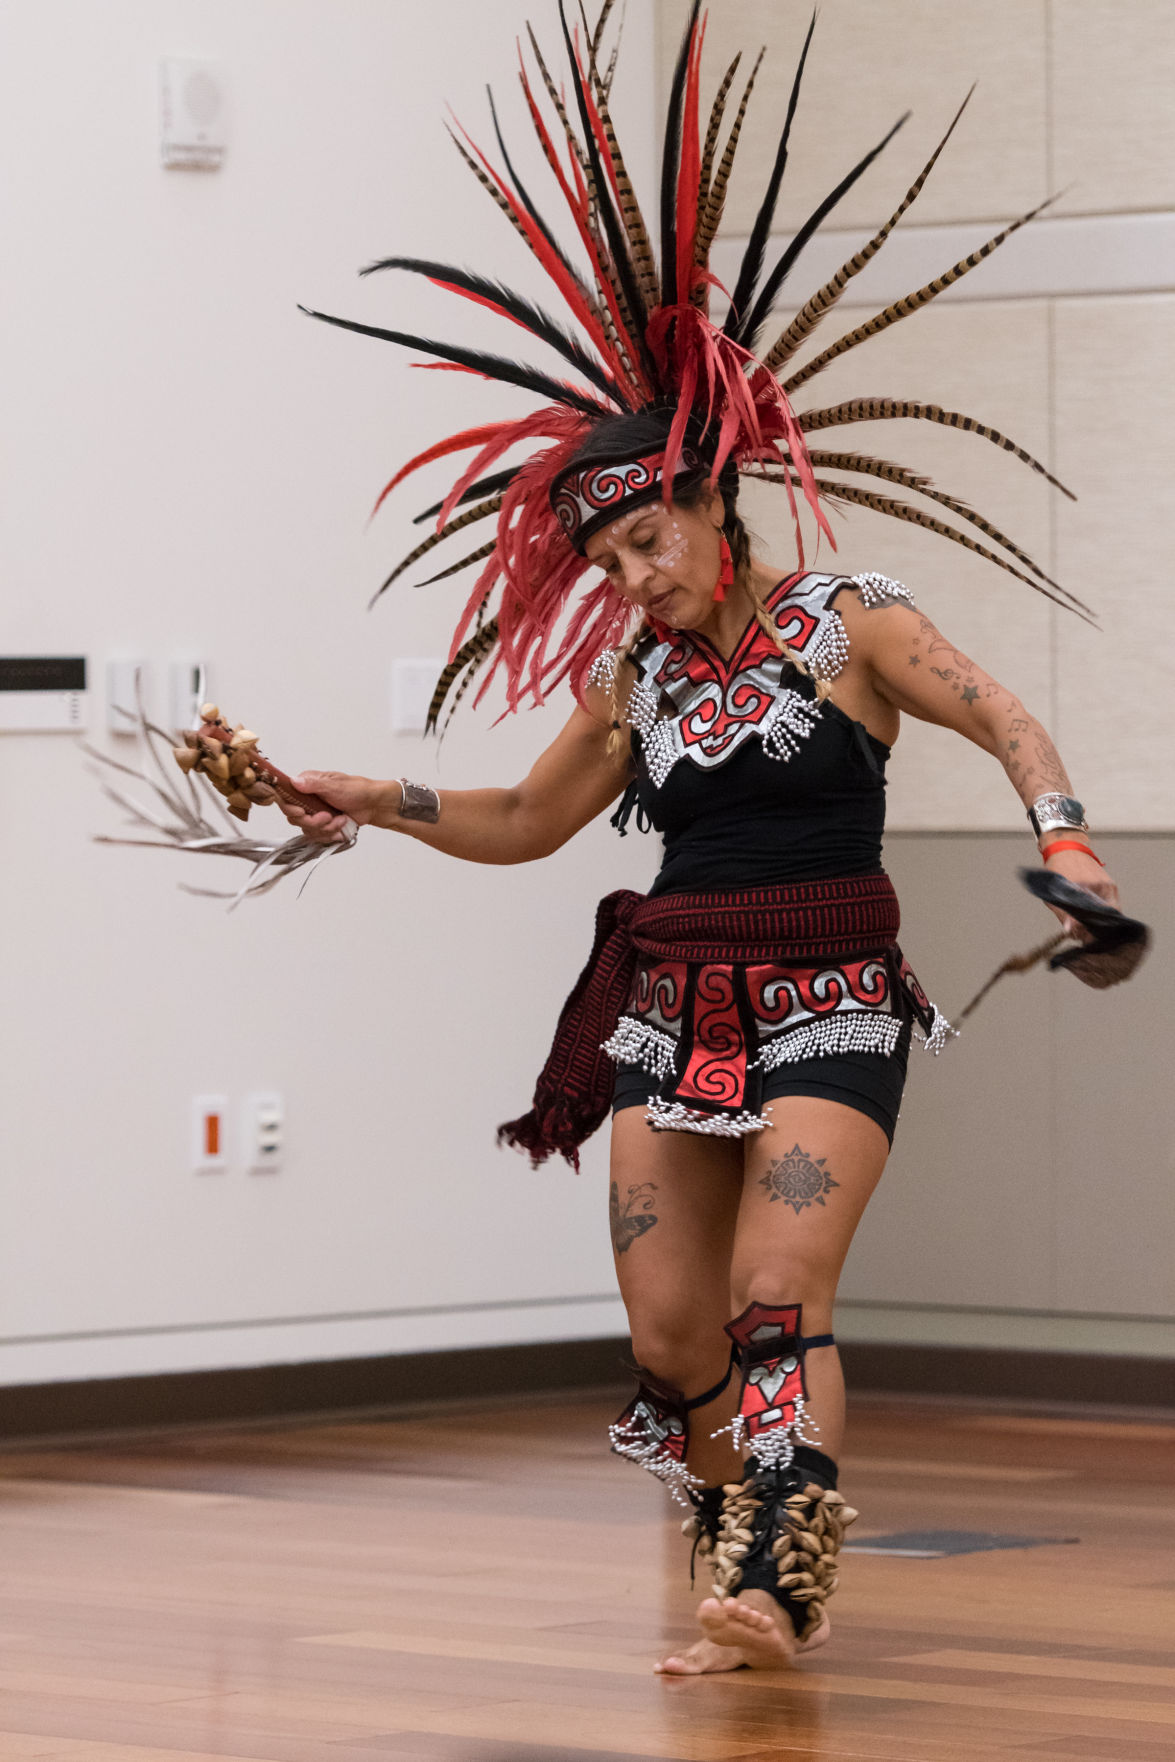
(618, 736)
(767, 624)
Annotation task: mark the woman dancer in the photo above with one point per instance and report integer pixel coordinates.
(749, 1020)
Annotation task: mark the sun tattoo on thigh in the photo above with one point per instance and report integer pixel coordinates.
(634, 1217)
(798, 1179)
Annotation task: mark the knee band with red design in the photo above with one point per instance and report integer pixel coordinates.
(772, 1410)
(653, 1430)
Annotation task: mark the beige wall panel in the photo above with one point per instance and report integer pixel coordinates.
(990, 361)
(1113, 104)
(1116, 445)
(1034, 1164)
(1115, 1115)
(964, 1213)
(869, 63)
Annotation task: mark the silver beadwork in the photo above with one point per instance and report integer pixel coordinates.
(776, 1446)
(660, 750)
(845, 1031)
(881, 590)
(674, 1116)
(642, 707)
(790, 719)
(603, 670)
(827, 656)
(641, 1443)
(940, 1032)
(639, 1043)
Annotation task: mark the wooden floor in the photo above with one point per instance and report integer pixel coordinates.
(492, 1587)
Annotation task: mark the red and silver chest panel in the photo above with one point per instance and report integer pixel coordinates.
(719, 704)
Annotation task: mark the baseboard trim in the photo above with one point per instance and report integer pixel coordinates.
(42, 1412)
(1005, 1374)
(257, 1393)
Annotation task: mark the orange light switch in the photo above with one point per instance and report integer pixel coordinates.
(208, 1134)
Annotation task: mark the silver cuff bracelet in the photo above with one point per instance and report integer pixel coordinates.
(1051, 811)
(420, 802)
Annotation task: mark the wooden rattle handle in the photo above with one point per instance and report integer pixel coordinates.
(284, 789)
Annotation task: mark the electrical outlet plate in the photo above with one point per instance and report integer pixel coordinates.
(263, 1135)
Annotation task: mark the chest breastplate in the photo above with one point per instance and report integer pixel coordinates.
(691, 704)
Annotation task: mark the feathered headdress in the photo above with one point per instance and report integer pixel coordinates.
(642, 337)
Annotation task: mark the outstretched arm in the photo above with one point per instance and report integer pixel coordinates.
(572, 782)
(917, 669)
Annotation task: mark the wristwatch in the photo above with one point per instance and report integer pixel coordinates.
(1051, 811)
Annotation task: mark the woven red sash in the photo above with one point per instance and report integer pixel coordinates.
(803, 921)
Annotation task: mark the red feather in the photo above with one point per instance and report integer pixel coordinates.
(456, 443)
(549, 258)
(689, 171)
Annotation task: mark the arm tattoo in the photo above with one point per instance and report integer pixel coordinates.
(632, 1219)
(798, 1179)
(956, 670)
(1028, 755)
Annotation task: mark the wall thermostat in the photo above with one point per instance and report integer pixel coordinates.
(42, 694)
(192, 114)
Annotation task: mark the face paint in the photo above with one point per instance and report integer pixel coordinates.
(675, 548)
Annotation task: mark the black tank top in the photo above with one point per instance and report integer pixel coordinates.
(748, 777)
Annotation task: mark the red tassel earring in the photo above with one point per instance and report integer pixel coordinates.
(726, 573)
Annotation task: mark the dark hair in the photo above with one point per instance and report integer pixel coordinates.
(640, 432)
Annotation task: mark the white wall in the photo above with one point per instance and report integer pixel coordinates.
(188, 466)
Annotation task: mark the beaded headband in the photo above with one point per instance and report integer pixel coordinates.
(585, 501)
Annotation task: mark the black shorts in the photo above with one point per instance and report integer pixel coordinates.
(871, 1082)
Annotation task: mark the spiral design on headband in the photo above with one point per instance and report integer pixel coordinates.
(584, 497)
(609, 484)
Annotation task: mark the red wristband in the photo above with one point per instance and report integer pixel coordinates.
(1069, 844)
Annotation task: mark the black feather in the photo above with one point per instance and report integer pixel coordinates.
(521, 192)
(485, 486)
(752, 263)
(459, 523)
(530, 379)
(613, 224)
(747, 332)
(532, 317)
(477, 556)
(671, 162)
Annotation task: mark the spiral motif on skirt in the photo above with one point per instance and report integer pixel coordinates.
(716, 1071)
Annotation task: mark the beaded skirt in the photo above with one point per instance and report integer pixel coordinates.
(709, 1031)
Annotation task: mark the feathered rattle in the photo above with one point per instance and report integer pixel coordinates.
(233, 764)
(229, 760)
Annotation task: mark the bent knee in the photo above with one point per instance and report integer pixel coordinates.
(778, 1281)
(678, 1354)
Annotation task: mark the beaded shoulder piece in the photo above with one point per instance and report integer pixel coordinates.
(689, 703)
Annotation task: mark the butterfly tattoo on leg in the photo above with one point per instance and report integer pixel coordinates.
(632, 1219)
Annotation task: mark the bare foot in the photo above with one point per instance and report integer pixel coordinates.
(748, 1630)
